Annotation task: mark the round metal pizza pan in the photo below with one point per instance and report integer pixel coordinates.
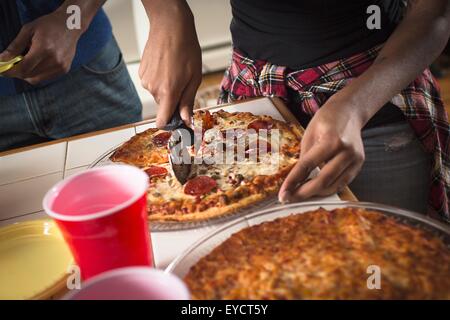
(181, 265)
(103, 160)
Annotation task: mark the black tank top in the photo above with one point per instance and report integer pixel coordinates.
(305, 33)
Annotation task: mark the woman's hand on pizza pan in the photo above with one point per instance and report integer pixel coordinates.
(171, 66)
(332, 137)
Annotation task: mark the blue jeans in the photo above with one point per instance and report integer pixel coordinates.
(96, 96)
(396, 170)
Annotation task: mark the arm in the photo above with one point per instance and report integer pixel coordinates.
(47, 44)
(171, 66)
(334, 134)
(415, 44)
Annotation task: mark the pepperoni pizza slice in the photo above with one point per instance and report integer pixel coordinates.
(144, 149)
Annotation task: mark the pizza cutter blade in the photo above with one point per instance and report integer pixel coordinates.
(181, 140)
(180, 171)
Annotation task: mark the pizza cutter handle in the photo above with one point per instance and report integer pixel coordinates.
(176, 121)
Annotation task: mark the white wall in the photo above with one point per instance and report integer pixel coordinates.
(122, 16)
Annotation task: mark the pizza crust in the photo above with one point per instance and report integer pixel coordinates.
(140, 151)
(216, 211)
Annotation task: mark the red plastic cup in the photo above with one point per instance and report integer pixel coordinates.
(102, 215)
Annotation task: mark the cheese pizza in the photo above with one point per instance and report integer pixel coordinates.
(346, 253)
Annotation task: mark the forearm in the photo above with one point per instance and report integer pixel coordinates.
(171, 65)
(88, 10)
(414, 45)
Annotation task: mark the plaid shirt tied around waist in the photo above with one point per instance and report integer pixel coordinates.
(420, 102)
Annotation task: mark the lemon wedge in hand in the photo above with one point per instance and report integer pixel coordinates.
(7, 65)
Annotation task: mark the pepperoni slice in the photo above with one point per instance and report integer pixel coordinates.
(260, 124)
(200, 185)
(161, 139)
(155, 171)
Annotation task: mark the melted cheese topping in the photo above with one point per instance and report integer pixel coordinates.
(227, 175)
(324, 255)
(167, 188)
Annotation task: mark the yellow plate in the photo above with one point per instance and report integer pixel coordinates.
(5, 66)
(34, 260)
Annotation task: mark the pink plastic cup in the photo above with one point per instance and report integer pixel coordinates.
(136, 283)
(102, 215)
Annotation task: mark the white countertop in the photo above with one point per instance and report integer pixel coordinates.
(26, 176)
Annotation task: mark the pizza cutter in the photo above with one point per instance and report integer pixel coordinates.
(181, 139)
(8, 65)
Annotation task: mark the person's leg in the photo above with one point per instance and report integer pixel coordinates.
(99, 95)
(396, 170)
(18, 127)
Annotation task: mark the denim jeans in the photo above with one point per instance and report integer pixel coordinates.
(396, 170)
(97, 96)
